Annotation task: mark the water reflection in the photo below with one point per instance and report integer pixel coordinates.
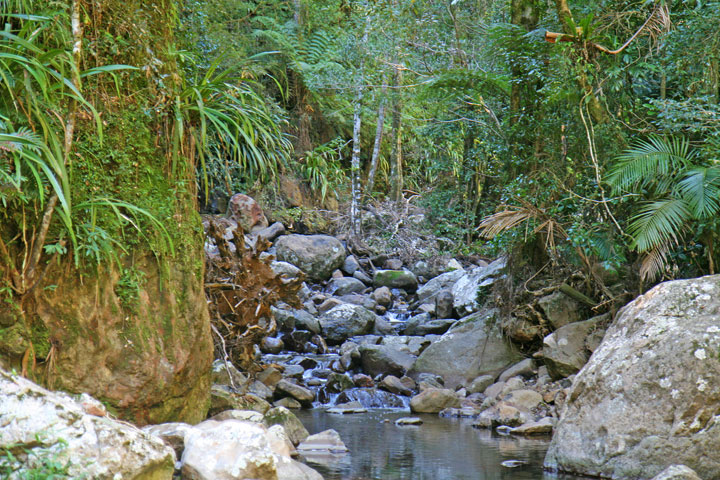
(440, 449)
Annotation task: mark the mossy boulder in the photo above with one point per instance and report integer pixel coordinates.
(316, 255)
(404, 279)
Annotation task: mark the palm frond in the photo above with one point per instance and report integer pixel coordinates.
(650, 161)
(654, 261)
(659, 222)
(509, 218)
(701, 189)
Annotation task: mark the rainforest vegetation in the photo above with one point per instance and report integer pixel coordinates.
(571, 133)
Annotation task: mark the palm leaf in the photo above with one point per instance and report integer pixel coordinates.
(701, 189)
(659, 222)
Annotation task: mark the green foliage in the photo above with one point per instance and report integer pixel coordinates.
(679, 192)
(322, 170)
(128, 288)
(36, 463)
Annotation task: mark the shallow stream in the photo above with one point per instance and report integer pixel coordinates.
(440, 449)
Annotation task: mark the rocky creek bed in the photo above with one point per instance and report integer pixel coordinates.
(623, 397)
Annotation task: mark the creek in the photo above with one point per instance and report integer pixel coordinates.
(440, 449)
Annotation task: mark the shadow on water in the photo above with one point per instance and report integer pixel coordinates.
(440, 449)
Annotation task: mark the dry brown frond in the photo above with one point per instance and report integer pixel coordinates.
(506, 219)
(654, 261)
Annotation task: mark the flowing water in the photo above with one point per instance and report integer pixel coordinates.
(440, 449)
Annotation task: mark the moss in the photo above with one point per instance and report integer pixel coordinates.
(14, 339)
(40, 338)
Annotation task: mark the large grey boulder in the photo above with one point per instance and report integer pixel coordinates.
(649, 395)
(316, 255)
(465, 290)
(677, 472)
(345, 321)
(474, 346)
(385, 359)
(49, 425)
(564, 350)
(433, 400)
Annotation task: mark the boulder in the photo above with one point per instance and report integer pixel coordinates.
(472, 347)
(543, 426)
(560, 309)
(429, 291)
(345, 285)
(272, 232)
(287, 402)
(345, 321)
(383, 296)
(338, 382)
(271, 345)
(235, 449)
(525, 400)
(55, 426)
(480, 384)
(444, 304)
(564, 350)
(421, 325)
(385, 359)
(299, 393)
(172, 434)
(295, 430)
(244, 415)
(222, 398)
(525, 368)
(350, 265)
(677, 472)
(393, 385)
(465, 290)
(286, 271)
(325, 441)
(432, 400)
(246, 212)
(649, 396)
(404, 279)
(225, 373)
(316, 255)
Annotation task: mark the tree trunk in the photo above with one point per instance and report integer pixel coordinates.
(357, 123)
(396, 173)
(378, 142)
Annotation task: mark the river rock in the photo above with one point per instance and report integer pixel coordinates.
(363, 277)
(408, 421)
(543, 426)
(288, 402)
(350, 265)
(525, 400)
(564, 350)
(502, 414)
(393, 385)
(560, 309)
(422, 325)
(345, 285)
(172, 434)
(385, 359)
(649, 395)
(295, 430)
(444, 304)
(271, 345)
(429, 291)
(480, 384)
(244, 415)
(362, 380)
(222, 399)
(328, 441)
(272, 232)
(432, 400)
(246, 212)
(225, 373)
(383, 296)
(299, 393)
(677, 472)
(404, 279)
(316, 255)
(465, 290)
(525, 368)
(472, 347)
(338, 382)
(345, 321)
(286, 271)
(56, 426)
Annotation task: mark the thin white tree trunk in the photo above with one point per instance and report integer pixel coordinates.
(396, 170)
(357, 123)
